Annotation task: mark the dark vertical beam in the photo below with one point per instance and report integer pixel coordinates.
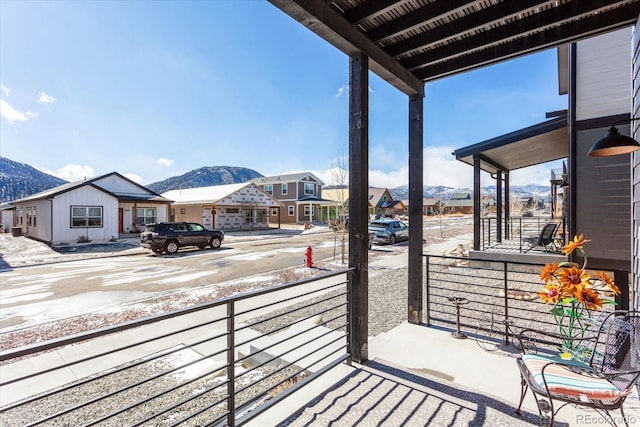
(476, 202)
(499, 206)
(572, 216)
(358, 206)
(507, 207)
(416, 191)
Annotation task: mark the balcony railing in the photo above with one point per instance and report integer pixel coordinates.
(222, 362)
(507, 289)
(522, 230)
(226, 361)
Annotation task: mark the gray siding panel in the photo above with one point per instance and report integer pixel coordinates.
(635, 176)
(603, 199)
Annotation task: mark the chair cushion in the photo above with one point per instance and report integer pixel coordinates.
(561, 379)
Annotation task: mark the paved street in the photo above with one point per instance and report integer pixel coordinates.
(35, 294)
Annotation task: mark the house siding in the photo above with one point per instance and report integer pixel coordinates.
(128, 214)
(295, 191)
(84, 196)
(602, 87)
(115, 184)
(635, 177)
(215, 210)
(42, 228)
(603, 194)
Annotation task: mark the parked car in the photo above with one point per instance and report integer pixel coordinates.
(170, 236)
(389, 231)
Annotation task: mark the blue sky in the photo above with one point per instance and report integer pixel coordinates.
(155, 89)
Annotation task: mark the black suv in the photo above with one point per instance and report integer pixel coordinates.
(170, 236)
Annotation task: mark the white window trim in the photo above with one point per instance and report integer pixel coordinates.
(291, 210)
(313, 189)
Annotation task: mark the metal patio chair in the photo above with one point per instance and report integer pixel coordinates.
(600, 375)
(548, 239)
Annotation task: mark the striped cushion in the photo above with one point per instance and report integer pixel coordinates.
(561, 380)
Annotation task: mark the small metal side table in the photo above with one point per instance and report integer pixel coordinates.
(458, 301)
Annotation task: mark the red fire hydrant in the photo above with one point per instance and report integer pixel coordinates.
(308, 257)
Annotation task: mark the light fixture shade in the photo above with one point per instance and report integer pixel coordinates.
(614, 144)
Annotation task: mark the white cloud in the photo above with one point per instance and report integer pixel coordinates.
(341, 90)
(46, 99)
(12, 115)
(133, 177)
(441, 168)
(165, 162)
(4, 91)
(71, 172)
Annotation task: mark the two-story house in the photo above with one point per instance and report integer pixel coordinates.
(301, 196)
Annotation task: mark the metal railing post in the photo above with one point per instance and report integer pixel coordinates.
(231, 377)
(506, 302)
(426, 275)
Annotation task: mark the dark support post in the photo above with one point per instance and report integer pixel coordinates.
(476, 202)
(415, 276)
(499, 206)
(507, 209)
(358, 206)
(621, 279)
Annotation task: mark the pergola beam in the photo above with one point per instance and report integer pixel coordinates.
(326, 22)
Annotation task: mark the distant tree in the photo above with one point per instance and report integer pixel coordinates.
(339, 224)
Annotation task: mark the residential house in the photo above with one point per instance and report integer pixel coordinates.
(96, 209)
(242, 206)
(433, 207)
(596, 76)
(460, 203)
(429, 207)
(300, 194)
(382, 203)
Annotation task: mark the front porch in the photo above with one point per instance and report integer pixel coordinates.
(420, 375)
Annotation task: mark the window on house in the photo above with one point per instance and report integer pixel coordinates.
(183, 211)
(307, 210)
(285, 189)
(268, 189)
(86, 216)
(248, 214)
(309, 189)
(262, 215)
(291, 210)
(34, 216)
(29, 216)
(172, 215)
(145, 216)
(274, 212)
(233, 210)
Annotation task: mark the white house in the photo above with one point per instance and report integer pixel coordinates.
(96, 209)
(226, 207)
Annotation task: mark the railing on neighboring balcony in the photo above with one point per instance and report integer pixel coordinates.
(523, 230)
(222, 362)
(508, 289)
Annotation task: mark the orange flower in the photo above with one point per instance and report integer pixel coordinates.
(607, 281)
(573, 278)
(551, 293)
(576, 243)
(589, 298)
(548, 272)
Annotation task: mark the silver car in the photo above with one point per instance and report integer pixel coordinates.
(389, 231)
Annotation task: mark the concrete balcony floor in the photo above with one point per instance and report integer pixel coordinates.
(420, 375)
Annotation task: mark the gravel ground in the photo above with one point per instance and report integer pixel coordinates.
(387, 309)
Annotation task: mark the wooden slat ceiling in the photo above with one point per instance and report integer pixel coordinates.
(410, 42)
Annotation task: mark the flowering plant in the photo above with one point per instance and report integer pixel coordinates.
(574, 293)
